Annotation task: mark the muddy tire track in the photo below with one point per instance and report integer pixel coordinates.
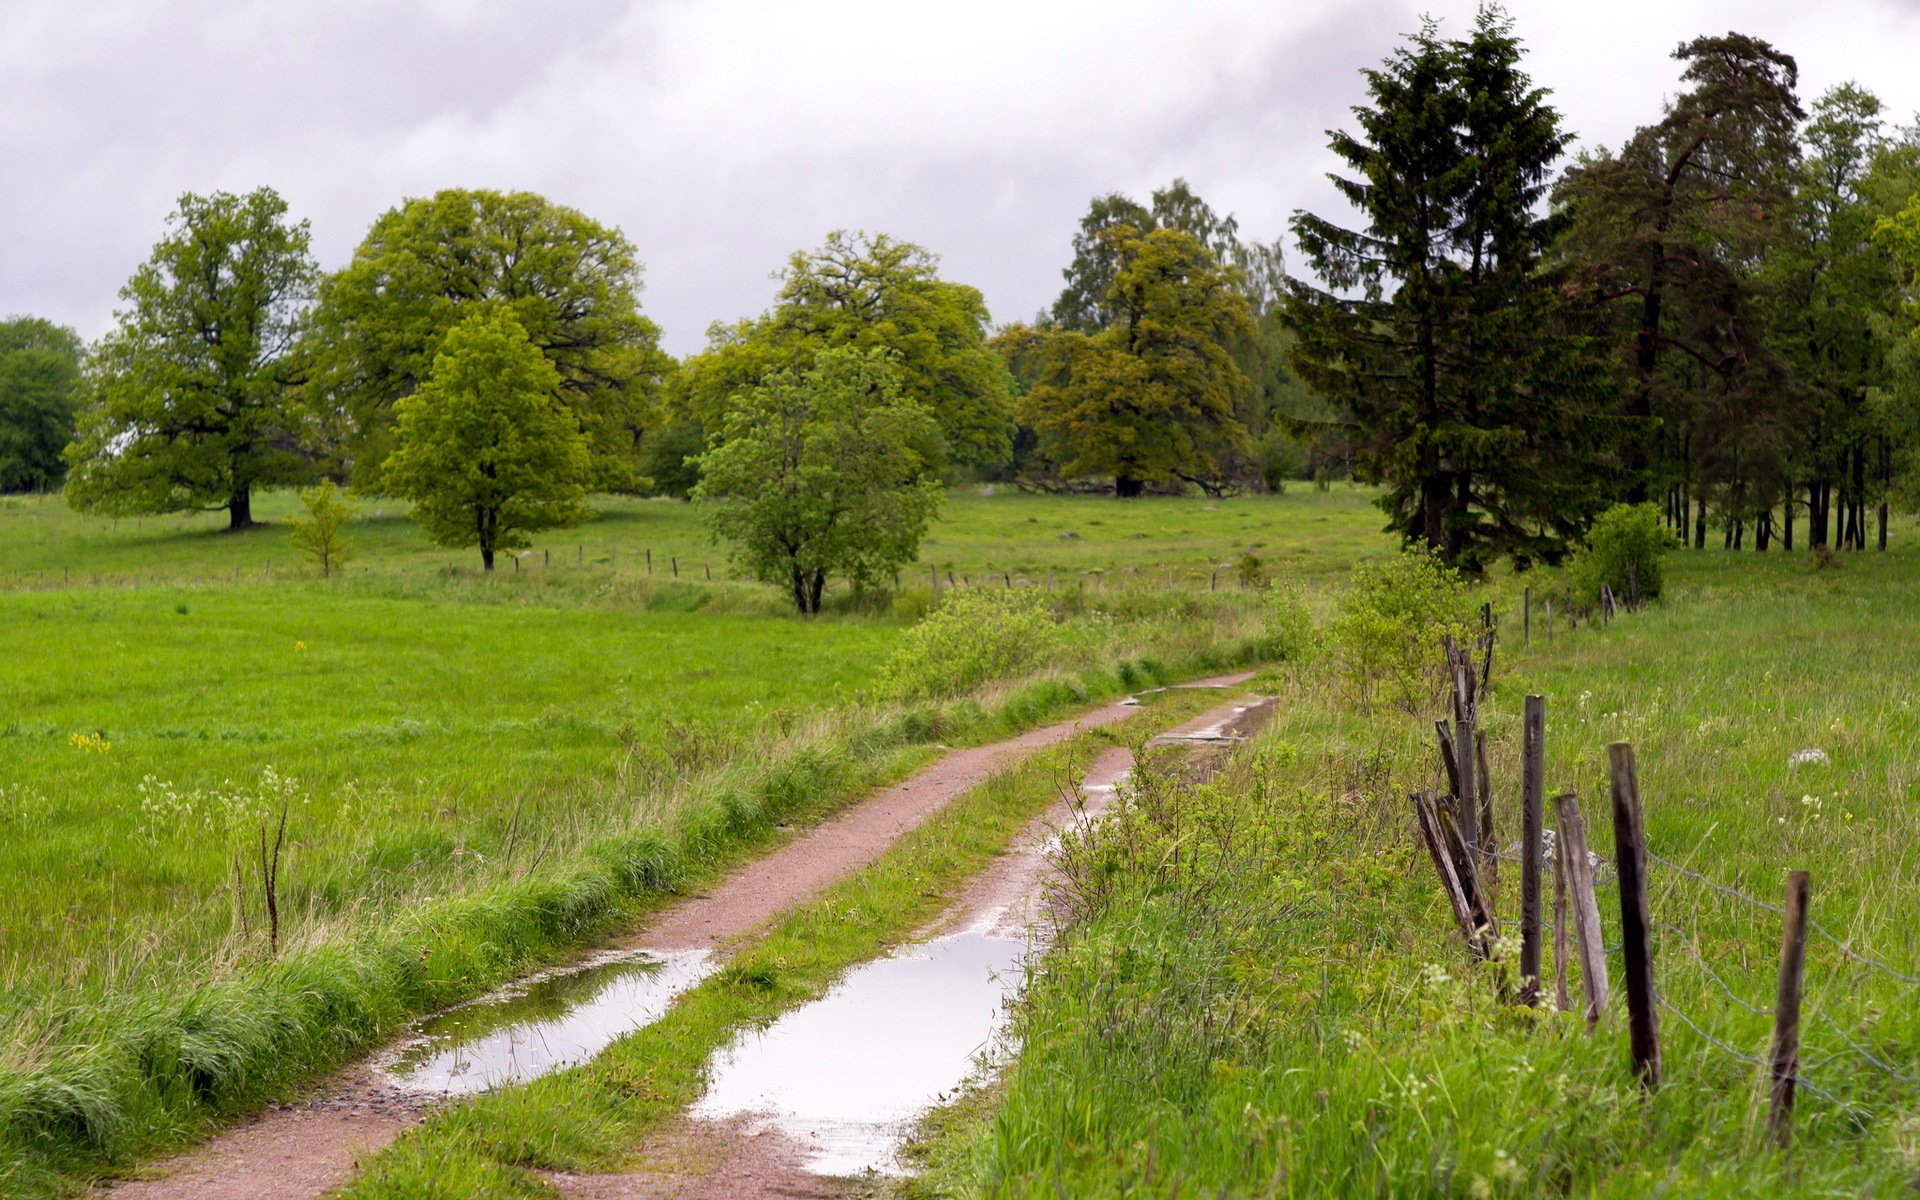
(310, 1147)
(746, 1155)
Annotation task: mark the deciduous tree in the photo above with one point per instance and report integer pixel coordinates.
(813, 473)
(39, 395)
(871, 293)
(1154, 396)
(572, 283)
(484, 448)
(191, 394)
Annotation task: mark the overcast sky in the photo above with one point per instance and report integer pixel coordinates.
(723, 134)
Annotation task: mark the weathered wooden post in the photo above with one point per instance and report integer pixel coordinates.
(674, 562)
(1636, 926)
(1786, 1011)
(1526, 617)
(1570, 841)
(1533, 767)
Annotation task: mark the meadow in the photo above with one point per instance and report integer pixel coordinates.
(1263, 992)
(477, 773)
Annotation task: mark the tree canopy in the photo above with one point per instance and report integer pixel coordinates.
(1152, 397)
(1472, 391)
(191, 393)
(871, 293)
(484, 448)
(39, 395)
(814, 472)
(570, 282)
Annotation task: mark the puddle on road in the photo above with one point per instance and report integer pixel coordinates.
(553, 1021)
(846, 1077)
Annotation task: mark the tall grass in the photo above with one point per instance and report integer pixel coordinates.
(1263, 993)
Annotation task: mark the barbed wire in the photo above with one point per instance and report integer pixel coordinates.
(1695, 954)
(1846, 951)
(1863, 1052)
(1799, 1071)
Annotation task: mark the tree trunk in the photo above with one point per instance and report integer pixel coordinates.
(814, 587)
(240, 510)
(1700, 523)
(486, 557)
(1787, 512)
(1126, 487)
(797, 580)
(1819, 493)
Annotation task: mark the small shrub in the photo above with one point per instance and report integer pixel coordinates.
(1393, 623)
(911, 603)
(972, 637)
(1290, 634)
(1252, 571)
(321, 535)
(1627, 538)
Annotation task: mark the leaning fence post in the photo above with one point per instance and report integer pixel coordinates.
(1570, 839)
(1532, 769)
(1425, 817)
(1630, 864)
(1786, 1011)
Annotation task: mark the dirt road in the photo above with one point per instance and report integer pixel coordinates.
(303, 1150)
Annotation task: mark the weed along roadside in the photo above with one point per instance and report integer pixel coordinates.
(357, 1112)
(1657, 940)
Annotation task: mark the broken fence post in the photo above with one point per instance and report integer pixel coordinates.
(1570, 841)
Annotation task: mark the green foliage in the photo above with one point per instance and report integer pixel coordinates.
(1626, 540)
(39, 395)
(816, 473)
(572, 283)
(191, 400)
(1393, 624)
(1292, 635)
(869, 294)
(971, 637)
(666, 455)
(1251, 570)
(1154, 397)
(1481, 453)
(483, 449)
(321, 534)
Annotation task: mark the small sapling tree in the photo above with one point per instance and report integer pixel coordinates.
(321, 534)
(816, 472)
(484, 450)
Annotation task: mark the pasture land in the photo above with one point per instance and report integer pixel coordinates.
(1265, 994)
(477, 773)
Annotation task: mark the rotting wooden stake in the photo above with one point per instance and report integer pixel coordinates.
(1570, 839)
(1636, 926)
(1426, 817)
(1786, 1011)
(1561, 1000)
(1532, 797)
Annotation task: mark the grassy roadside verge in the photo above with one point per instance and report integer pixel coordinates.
(114, 1083)
(591, 1117)
(1265, 998)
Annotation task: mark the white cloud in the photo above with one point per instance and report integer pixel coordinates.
(723, 135)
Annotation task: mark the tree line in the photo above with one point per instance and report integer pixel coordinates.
(1715, 317)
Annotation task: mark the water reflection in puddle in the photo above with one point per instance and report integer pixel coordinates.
(550, 1022)
(845, 1077)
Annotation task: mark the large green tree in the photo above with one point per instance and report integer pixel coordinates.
(39, 395)
(814, 473)
(1154, 396)
(1669, 233)
(191, 394)
(1438, 331)
(572, 283)
(484, 447)
(870, 293)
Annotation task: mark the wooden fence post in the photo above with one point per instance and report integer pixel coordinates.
(1425, 817)
(1636, 927)
(1561, 1000)
(1489, 840)
(1549, 605)
(1786, 1011)
(1526, 617)
(933, 573)
(674, 560)
(1533, 765)
(1570, 842)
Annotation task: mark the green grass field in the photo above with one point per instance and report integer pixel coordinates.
(479, 772)
(1267, 996)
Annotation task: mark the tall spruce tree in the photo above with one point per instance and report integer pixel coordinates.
(1472, 389)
